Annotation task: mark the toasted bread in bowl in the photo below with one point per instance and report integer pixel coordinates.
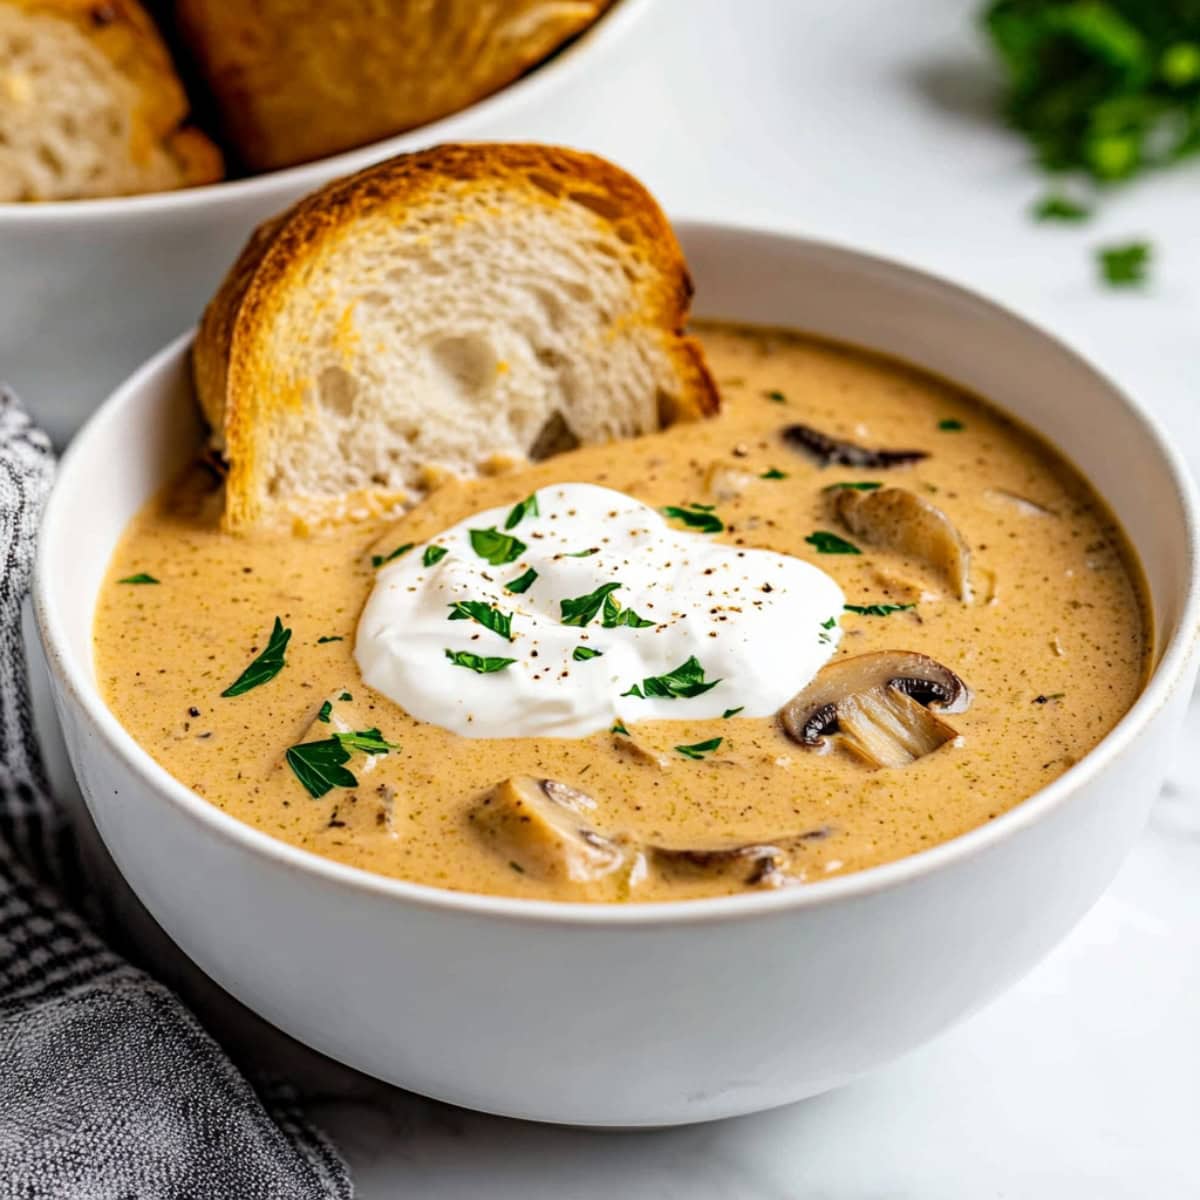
(440, 312)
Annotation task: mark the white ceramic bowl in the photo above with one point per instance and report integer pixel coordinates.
(90, 288)
(658, 1013)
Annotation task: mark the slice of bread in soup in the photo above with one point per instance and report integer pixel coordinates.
(90, 104)
(446, 311)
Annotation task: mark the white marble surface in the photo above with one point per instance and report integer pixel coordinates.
(868, 122)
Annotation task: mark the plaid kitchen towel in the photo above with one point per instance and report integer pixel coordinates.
(109, 1087)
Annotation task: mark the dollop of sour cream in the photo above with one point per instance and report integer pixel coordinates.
(617, 616)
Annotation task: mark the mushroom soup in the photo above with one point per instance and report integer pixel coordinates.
(854, 615)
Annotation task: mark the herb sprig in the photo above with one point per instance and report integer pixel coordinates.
(480, 664)
(696, 516)
(698, 750)
(498, 548)
(266, 666)
(485, 614)
(829, 543)
(579, 610)
(685, 682)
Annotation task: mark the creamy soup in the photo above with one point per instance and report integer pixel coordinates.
(990, 629)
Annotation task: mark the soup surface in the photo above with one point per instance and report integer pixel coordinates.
(1048, 630)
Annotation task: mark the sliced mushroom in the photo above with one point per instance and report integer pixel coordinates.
(831, 451)
(725, 482)
(896, 519)
(758, 864)
(538, 824)
(1022, 504)
(884, 707)
(628, 745)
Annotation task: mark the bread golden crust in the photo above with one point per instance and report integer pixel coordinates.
(291, 88)
(124, 33)
(230, 370)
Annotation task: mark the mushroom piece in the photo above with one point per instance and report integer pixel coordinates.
(757, 864)
(896, 519)
(884, 707)
(724, 482)
(539, 825)
(831, 451)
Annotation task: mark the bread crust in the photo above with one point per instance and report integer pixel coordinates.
(124, 33)
(291, 88)
(229, 372)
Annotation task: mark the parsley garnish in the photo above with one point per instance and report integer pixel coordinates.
(1124, 266)
(877, 610)
(1060, 208)
(853, 487)
(322, 640)
(700, 749)
(731, 712)
(522, 582)
(829, 624)
(369, 741)
(829, 543)
(618, 727)
(583, 553)
(478, 664)
(526, 508)
(583, 653)
(950, 425)
(777, 396)
(266, 666)
(345, 696)
(377, 560)
(615, 616)
(581, 609)
(487, 616)
(434, 555)
(324, 711)
(140, 577)
(773, 473)
(696, 516)
(321, 766)
(498, 548)
(685, 682)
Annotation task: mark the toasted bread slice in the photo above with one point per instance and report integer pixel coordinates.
(291, 87)
(442, 312)
(90, 104)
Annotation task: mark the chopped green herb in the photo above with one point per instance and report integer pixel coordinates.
(369, 741)
(1124, 266)
(377, 560)
(615, 616)
(618, 727)
(829, 543)
(320, 766)
(498, 548)
(434, 555)
(685, 682)
(951, 425)
(345, 696)
(583, 553)
(322, 640)
(852, 487)
(266, 666)
(777, 396)
(140, 577)
(696, 516)
(526, 508)
(1060, 208)
(522, 582)
(829, 624)
(583, 653)
(773, 473)
(878, 610)
(581, 609)
(478, 664)
(700, 749)
(488, 616)
(731, 712)
(324, 711)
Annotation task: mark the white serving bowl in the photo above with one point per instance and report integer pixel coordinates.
(657, 1013)
(90, 288)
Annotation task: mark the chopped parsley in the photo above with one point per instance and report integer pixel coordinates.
(477, 663)
(583, 553)
(583, 653)
(951, 425)
(323, 713)
(498, 548)
(1126, 265)
(615, 616)
(700, 749)
(581, 609)
(345, 696)
(488, 616)
(140, 577)
(266, 666)
(878, 610)
(336, 638)
(434, 555)
(369, 741)
(865, 486)
(829, 543)
(526, 508)
(685, 682)
(777, 396)
(522, 582)
(731, 712)
(696, 516)
(829, 624)
(618, 727)
(377, 560)
(1060, 208)
(321, 766)
(773, 473)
